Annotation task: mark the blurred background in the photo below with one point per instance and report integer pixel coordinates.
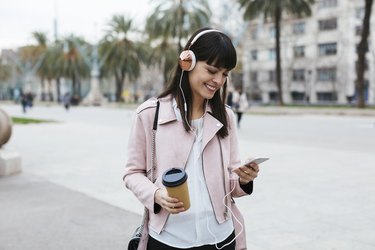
(302, 52)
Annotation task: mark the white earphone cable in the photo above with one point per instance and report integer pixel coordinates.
(185, 104)
(230, 210)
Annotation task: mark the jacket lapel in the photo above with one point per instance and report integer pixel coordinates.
(211, 125)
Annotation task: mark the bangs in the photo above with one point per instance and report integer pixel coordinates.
(222, 57)
(217, 50)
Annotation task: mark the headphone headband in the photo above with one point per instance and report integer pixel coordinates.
(201, 34)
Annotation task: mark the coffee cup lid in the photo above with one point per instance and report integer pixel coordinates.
(174, 177)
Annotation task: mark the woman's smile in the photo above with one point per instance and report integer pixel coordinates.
(210, 87)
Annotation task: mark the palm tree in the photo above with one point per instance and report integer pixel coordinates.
(5, 72)
(164, 55)
(121, 55)
(274, 10)
(171, 21)
(40, 49)
(52, 65)
(362, 49)
(73, 63)
(177, 19)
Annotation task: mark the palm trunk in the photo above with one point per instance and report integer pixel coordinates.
(43, 93)
(362, 49)
(119, 83)
(278, 56)
(58, 91)
(74, 88)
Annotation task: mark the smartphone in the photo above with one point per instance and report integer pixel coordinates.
(257, 161)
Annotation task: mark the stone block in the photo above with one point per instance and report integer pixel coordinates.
(10, 162)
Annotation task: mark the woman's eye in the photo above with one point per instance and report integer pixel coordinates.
(211, 71)
(225, 74)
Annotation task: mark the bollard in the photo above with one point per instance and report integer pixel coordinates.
(5, 127)
(10, 161)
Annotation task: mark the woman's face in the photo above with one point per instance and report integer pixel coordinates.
(205, 80)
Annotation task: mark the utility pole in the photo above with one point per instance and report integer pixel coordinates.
(55, 32)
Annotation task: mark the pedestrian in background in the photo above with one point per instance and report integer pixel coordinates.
(24, 102)
(230, 98)
(240, 103)
(66, 101)
(192, 112)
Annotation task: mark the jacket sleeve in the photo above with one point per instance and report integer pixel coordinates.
(139, 157)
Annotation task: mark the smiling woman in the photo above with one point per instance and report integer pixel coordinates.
(195, 132)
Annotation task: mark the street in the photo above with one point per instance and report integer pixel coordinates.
(317, 191)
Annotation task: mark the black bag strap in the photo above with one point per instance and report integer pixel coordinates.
(155, 126)
(151, 172)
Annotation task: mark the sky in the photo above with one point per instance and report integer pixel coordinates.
(85, 18)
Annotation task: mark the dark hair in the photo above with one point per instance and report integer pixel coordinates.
(216, 49)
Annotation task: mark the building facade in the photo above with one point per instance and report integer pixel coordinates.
(318, 56)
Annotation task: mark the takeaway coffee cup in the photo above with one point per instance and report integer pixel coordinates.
(175, 181)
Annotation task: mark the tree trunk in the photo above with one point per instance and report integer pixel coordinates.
(119, 83)
(43, 92)
(278, 56)
(74, 88)
(362, 49)
(58, 93)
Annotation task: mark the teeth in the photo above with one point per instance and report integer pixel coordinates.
(210, 87)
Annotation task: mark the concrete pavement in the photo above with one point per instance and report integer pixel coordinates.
(37, 214)
(316, 192)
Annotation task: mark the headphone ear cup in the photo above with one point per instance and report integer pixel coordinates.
(187, 60)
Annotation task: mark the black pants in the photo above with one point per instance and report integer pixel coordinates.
(157, 245)
(239, 117)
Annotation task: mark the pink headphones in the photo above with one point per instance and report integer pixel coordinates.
(187, 59)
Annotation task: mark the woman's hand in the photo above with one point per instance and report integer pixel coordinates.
(172, 205)
(247, 173)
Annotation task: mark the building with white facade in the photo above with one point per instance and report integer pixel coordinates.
(318, 55)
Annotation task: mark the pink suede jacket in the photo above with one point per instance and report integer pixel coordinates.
(173, 145)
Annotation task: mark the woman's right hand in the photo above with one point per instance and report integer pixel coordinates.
(172, 205)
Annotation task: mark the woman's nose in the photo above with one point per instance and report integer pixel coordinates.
(219, 78)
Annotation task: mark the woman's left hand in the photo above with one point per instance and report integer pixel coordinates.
(247, 173)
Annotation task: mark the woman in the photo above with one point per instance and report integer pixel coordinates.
(197, 132)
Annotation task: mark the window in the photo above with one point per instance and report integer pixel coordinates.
(272, 32)
(254, 55)
(271, 54)
(299, 28)
(360, 12)
(298, 96)
(328, 24)
(326, 74)
(298, 75)
(323, 4)
(254, 34)
(326, 96)
(271, 75)
(326, 49)
(253, 76)
(274, 96)
(299, 51)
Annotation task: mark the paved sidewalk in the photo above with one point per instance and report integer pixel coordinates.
(36, 215)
